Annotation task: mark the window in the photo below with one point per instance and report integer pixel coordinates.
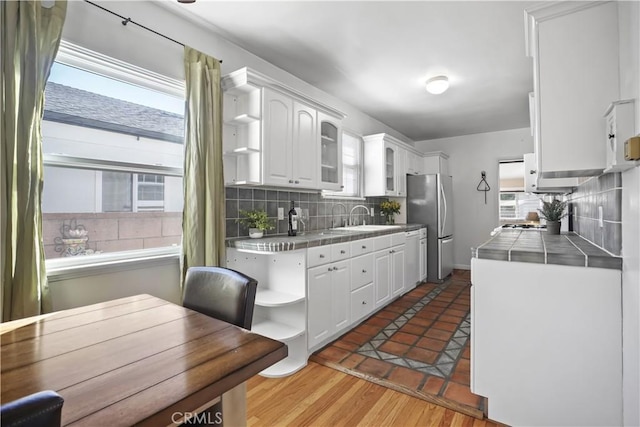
(113, 142)
(516, 205)
(351, 168)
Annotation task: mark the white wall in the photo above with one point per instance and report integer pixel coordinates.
(629, 18)
(473, 220)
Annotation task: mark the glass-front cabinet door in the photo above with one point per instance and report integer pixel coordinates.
(389, 170)
(330, 153)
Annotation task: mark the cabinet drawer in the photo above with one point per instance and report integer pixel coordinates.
(382, 242)
(361, 247)
(361, 303)
(423, 233)
(398, 239)
(361, 271)
(340, 251)
(318, 255)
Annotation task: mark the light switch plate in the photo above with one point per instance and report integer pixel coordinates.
(280, 213)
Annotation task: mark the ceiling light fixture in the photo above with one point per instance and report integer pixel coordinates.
(437, 85)
(186, 1)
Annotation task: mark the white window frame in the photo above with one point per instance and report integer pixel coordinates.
(79, 57)
(360, 173)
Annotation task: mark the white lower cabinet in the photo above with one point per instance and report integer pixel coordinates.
(329, 288)
(382, 277)
(422, 261)
(362, 302)
(328, 296)
(546, 343)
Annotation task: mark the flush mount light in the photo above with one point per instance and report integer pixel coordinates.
(186, 1)
(437, 85)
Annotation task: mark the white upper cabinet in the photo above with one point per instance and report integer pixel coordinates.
(574, 46)
(387, 161)
(304, 147)
(330, 152)
(274, 135)
(277, 138)
(436, 162)
(620, 118)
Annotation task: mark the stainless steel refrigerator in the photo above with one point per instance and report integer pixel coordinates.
(430, 202)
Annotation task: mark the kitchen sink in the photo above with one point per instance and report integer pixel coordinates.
(368, 227)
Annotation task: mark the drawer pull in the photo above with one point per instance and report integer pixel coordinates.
(321, 256)
(343, 252)
(364, 247)
(329, 269)
(392, 252)
(335, 268)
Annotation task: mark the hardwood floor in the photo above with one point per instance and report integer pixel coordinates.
(320, 396)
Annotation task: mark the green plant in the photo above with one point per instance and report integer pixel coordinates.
(389, 207)
(553, 210)
(256, 219)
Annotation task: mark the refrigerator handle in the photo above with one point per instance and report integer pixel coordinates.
(444, 199)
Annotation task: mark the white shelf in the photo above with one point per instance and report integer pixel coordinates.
(269, 298)
(277, 331)
(241, 151)
(328, 167)
(327, 138)
(284, 368)
(243, 119)
(244, 183)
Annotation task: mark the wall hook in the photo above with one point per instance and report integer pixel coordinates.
(483, 185)
(126, 21)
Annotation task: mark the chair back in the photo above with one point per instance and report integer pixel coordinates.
(222, 293)
(42, 409)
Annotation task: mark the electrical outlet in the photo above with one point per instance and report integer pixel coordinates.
(372, 213)
(280, 213)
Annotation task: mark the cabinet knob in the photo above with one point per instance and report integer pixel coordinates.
(364, 247)
(290, 181)
(364, 271)
(612, 135)
(329, 269)
(342, 252)
(532, 172)
(364, 303)
(335, 268)
(321, 256)
(297, 182)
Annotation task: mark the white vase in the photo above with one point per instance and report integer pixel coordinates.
(256, 233)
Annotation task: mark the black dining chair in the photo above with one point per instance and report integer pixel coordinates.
(42, 409)
(226, 295)
(221, 293)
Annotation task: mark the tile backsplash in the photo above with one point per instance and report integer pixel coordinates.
(584, 204)
(321, 211)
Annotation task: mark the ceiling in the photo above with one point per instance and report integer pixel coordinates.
(377, 55)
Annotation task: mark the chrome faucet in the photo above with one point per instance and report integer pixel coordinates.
(333, 222)
(351, 214)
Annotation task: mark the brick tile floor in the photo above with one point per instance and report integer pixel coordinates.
(419, 343)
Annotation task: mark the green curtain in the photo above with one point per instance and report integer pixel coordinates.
(203, 219)
(31, 35)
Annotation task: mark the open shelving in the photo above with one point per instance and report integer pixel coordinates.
(280, 309)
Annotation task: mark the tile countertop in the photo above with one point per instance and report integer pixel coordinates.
(279, 243)
(539, 247)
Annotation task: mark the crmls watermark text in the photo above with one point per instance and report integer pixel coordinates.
(203, 418)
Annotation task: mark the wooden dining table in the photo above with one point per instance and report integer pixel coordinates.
(138, 360)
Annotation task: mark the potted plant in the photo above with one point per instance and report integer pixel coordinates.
(257, 221)
(553, 212)
(389, 208)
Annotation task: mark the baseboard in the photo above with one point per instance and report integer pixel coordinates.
(462, 266)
